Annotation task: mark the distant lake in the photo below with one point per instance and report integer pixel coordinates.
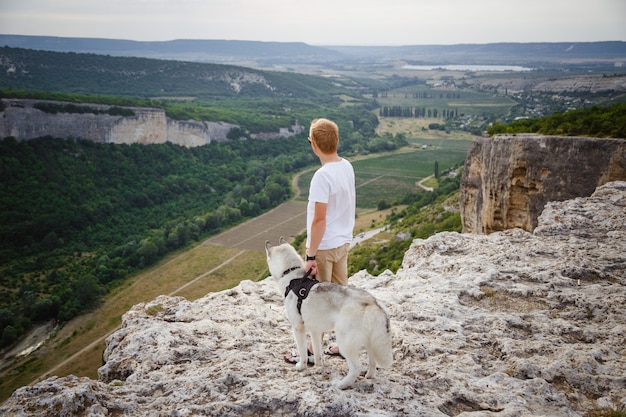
(463, 67)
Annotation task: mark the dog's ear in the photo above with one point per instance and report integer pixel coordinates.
(281, 240)
(268, 246)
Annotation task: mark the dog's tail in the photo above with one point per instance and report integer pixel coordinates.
(380, 336)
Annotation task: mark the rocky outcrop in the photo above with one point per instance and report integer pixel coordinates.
(509, 324)
(507, 180)
(23, 121)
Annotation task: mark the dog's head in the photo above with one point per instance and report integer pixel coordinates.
(282, 257)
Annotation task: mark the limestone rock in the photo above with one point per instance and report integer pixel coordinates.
(21, 120)
(507, 180)
(508, 324)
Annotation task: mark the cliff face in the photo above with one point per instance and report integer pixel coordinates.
(507, 180)
(148, 126)
(508, 324)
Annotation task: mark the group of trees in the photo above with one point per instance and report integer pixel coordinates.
(423, 94)
(55, 108)
(409, 111)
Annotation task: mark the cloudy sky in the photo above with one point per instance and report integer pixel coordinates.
(322, 22)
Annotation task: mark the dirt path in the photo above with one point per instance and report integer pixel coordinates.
(295, 180)
(422, 186)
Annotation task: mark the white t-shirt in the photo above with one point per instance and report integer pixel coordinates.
(333, 184)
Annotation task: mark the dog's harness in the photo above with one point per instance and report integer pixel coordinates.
(300, 286)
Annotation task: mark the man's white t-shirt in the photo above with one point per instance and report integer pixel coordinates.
(334, 185)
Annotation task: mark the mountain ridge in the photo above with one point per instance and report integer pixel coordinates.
(223, 50)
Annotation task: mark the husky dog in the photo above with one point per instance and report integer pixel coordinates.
(355, 315)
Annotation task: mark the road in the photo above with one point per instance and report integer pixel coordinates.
(361, 237)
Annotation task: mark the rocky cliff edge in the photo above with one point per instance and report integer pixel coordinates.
(507, 324)
(508, 179)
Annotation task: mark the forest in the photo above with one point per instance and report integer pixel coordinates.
(75, 73)
(255, 100)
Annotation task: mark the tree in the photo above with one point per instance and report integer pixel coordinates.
(382, 204)
(148, 250)
(436, 169)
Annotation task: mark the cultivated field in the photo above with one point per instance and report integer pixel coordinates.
(288, 220)
(391, 176)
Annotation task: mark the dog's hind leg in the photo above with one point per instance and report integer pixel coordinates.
(371, 372)
(352, 357)
(350, 352)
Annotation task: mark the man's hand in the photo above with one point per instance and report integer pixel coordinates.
(312, 265)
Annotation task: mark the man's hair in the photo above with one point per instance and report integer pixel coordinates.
(325, 133)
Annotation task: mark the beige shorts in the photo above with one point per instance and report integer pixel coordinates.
(332, 265)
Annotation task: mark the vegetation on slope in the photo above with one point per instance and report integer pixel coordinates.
(595, 122)
(425, 214)
(147, 78)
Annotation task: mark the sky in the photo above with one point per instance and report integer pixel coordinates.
(322, 22)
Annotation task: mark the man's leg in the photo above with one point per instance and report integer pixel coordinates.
(340, 264)
(324, 262)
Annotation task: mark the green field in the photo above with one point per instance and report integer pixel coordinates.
(392, 176)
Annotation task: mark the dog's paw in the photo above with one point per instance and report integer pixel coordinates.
(343, 384)
(371, 374)
(301, 366)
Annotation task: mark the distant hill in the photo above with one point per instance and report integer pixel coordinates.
(495, 53)
(218, 51)
(299, 53)
(125, 76)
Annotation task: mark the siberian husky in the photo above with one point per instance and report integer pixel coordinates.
(355, 315)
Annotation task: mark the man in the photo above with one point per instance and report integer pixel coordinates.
(330, 211)
(331, 208)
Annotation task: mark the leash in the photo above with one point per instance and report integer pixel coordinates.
(300, 286)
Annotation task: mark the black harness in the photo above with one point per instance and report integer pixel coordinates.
(300, 286)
